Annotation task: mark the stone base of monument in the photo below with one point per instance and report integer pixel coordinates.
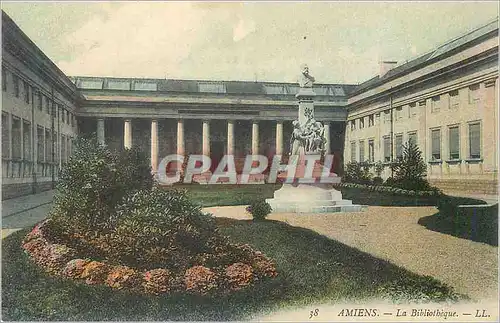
(310, 198)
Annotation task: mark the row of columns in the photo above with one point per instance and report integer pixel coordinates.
(127, 135)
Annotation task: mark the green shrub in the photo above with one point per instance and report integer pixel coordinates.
(92, 184)
(259, 209)
(410, 170)
(378, 180)
(158, 228)
(357, 173)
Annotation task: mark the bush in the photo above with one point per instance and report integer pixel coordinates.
(158, 281)
(91, 186)
(378, 180)
(239, 275)
(357, 173)
(158, 228)
(200, 280)
(259, 209)
(410, 170)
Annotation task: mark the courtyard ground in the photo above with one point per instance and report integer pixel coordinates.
(387, 233)
(393, 234)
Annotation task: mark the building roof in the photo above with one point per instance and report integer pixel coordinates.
(86, 83)
(450, 47)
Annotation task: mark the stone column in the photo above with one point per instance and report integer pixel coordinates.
(230, 137)
(206, 138)
(154, 145)
(127, 133)
(279, 137)
(100, 131)
(180, 137)
(255, 138)
(327, 137)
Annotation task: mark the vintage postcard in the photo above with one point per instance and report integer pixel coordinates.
(250, 161)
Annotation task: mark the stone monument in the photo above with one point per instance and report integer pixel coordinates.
(308, 139)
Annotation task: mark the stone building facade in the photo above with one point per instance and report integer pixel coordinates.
(446, 101)
(447, 94)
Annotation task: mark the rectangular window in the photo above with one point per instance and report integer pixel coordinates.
(118, 85)
(47, 104)
(90, 84)
(399, 113)
(454, 99)
(40, 143)
(353, 124)
(361, 151)
(16, 137)
(399, 146)
(15, 81)
(371, 151)
(5, 135)
(361, 123)
(454, 142)
(26, 92)
(436, 144)
(27, 140)
(275, 89)
(353, 151)
(474, 140)
(412, 137)
(48, 145)
(4, 79)
(40, 101)
(338, 91)
(211, 87)
(63, 114)
(474, 93)
(387, 116)
(412, 110)
(145, 86)
(322, 90)
(370, 120)
(63, 148)
(435, 104)
(387, 149)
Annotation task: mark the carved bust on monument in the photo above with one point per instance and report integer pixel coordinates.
(305, 79)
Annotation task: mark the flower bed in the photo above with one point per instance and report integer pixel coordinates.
(58, 259)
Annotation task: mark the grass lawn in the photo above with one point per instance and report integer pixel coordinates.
(226, 194)
(312, 268)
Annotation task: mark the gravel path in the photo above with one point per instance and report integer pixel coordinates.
(393, 234)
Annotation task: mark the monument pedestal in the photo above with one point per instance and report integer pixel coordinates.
(310, 198)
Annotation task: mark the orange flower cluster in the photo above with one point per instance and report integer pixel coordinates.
(242, 266)
(200, 280)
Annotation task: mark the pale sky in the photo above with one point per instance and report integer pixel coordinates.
(342, 42)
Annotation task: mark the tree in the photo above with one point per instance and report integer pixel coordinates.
(410, 170)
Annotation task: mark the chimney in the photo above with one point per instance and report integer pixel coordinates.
(386, 66)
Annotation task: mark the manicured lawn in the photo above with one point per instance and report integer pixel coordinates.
(225, 195)
(312, 268)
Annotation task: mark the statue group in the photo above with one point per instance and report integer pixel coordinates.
(309, 135)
